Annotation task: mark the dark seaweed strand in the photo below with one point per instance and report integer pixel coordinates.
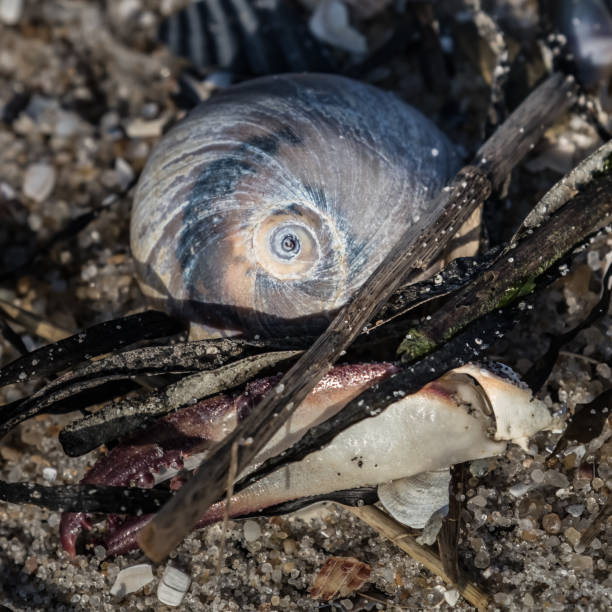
(178, 359)
(126, 415)
(349, 497)
(134, 501)
(587, 421)
(85, 498)
(455, 275)
(93, 341)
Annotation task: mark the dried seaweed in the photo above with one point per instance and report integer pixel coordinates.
(91, 342)
(114, 421)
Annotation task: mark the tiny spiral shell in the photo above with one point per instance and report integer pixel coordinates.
(269, 205)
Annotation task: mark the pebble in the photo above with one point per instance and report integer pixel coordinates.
(593, 260)
(140, 128)
(556, 479)
(518, 490)
(482, 559)
(479, 501)
(132, 579)
(251, 531)
(572, 536)
(124, 172)
(49, 473)
(529, 535)
(289, 546)
(7, 192)
(330, 23)
(603, 370)
(30, 565)
(173, 586)
(38, 182)
(551, 523)
(528, 600)
(581, 562)
(502, 599)
(575, 510)
(11, 11)
(452, 597)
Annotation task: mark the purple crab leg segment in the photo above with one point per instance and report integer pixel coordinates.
(159, 451)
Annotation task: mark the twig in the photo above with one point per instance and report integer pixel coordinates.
(567, 188)
(13, 338)
(417, 248)
(448, 538)
(394, 531)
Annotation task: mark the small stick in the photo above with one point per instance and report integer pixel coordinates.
(448, 538)
(416, 249)
(394, 531)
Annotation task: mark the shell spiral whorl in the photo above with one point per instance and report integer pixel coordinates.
(269, 205)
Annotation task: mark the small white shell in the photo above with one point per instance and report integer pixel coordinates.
(131, 579)
(173, 586)
(413, 500)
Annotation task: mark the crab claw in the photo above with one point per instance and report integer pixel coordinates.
(162, 450)
(405, 451)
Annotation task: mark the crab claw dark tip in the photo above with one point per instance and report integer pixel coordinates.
(71, 525)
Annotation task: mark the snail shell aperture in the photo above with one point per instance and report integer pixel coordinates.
(269, 205)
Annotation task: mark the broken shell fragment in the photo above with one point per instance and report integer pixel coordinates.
(413, 500)
(131, 579)
(173, 586)
(339, 577)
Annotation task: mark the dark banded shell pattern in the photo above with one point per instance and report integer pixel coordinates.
(248, 37)
(270, 204)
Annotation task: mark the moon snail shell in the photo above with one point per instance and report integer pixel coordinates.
(269, 205)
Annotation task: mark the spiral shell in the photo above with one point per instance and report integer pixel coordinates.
(269, 205)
